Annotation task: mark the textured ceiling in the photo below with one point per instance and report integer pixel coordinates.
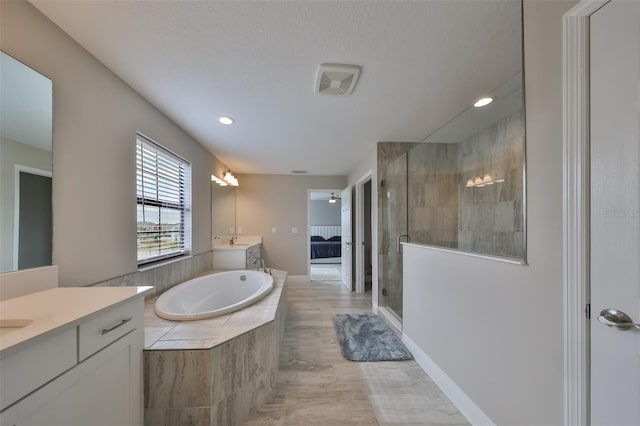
(422, 63)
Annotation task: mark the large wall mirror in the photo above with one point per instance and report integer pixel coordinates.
(223, 210)
(462, 187)
(466, 180)
(25, 167)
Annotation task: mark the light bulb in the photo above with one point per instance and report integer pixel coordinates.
(482, 102)
(225, 119)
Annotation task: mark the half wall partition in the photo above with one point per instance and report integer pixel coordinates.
(462, 189)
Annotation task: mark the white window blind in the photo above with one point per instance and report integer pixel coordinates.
(163, 182)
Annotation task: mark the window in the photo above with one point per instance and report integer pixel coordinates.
(163, 182)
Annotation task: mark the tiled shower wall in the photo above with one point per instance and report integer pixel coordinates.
(490, 218)
(442, 210)
(165, 276)
(433, 194)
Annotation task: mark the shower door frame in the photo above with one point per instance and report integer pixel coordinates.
(394, 246)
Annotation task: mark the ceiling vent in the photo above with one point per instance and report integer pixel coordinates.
(337, 79)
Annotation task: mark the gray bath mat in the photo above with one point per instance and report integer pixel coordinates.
(366, 337)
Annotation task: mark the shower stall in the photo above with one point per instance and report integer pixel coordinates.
(461, 189)
(392, 230)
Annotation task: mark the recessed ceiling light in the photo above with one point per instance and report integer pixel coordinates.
(483, 102)
(225, 119)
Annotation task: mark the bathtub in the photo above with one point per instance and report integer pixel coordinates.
(211, 295)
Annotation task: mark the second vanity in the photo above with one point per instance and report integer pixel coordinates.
(72, 356)
(244, 253)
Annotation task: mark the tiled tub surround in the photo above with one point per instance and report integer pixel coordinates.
(217, 371)
(164, 276)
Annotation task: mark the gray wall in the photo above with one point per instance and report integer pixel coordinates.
(496, 328)
(323, 212)
(280, 201)
(95, 119)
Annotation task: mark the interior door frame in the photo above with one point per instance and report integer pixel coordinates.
(359, 225)
(309, 191)
(19, 168)
(576, 209)
(347, 260)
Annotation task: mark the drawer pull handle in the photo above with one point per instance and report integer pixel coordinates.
(120, 324)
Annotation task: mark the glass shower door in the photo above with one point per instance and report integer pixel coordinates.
(393, 229)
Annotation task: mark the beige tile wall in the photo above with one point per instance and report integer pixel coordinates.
(491, 218)
(165, 276)
(224, 385)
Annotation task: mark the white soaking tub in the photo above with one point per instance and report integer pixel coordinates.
(212, 295)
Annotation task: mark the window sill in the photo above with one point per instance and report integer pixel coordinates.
(163, 262)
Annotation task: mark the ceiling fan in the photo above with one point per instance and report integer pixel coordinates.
(334, 198)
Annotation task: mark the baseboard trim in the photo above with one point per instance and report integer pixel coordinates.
(298, 278)
(463, 403)
(390, 318)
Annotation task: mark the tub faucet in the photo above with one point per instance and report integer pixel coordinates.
(260, 262)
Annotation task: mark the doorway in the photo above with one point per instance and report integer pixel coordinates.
(364, 234)
(324, 234)
(33, 230)
(602, 231)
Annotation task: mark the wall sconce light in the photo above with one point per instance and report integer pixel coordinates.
(333, 198)
(486, 179)
(230, 178)
(480, 182)
(217, 180)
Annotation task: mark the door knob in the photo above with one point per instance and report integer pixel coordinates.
(615, 318)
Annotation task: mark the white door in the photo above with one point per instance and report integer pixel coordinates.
(615, 219)
(347, 245)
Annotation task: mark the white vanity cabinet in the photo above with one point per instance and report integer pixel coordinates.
(101, 391)
(237, 256)
(96, 364)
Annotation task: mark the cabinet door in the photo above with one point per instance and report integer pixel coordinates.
(98, 392)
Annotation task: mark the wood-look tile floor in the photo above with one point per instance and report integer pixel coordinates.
(317, 386)
(325, 272)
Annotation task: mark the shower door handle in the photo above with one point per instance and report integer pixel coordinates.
(398, 242)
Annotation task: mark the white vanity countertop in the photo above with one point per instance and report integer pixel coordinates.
(244, 242)
(236, 246)
(55, 308)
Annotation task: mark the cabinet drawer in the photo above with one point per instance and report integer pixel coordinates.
(106, 327)
(33, 366)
